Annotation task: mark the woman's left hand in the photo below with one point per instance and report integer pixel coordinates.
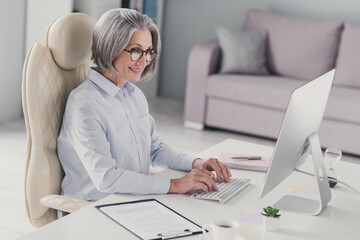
(213, 164)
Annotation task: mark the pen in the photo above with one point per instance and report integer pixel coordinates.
(247, 157)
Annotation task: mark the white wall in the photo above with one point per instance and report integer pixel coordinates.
(189, 22)
(23, 22)
(96, 8)
(12, 34)
(39, 14)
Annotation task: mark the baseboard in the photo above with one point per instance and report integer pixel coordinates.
(194, 125)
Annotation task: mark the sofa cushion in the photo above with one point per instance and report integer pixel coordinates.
(297, 48)
(343, 105)
(270, 91)
(347, 63)
(242, 52)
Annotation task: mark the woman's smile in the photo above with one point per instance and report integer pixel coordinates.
(136, 70)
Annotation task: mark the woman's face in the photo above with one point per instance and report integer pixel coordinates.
(127, 69)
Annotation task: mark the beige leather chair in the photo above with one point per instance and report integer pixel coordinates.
(50, 73)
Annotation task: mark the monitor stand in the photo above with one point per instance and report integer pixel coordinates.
(302, 205)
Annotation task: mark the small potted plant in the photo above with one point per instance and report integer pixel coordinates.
(271, 219)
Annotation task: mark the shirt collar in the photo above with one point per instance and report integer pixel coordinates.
(105, 84)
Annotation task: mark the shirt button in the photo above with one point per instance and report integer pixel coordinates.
(124, 94)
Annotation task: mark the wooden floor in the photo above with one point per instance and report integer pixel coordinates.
(168, 114)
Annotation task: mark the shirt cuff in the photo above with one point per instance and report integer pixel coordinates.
(160, 185)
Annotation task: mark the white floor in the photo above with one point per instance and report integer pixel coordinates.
(168, 114)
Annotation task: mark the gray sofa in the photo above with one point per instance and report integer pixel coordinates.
(298, 50)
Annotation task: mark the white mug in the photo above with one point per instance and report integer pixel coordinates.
(223, 229)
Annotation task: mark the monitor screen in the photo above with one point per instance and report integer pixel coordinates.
(302, 118)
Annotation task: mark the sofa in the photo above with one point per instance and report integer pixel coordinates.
(297, 50)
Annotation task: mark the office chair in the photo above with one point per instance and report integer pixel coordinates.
(50, 73)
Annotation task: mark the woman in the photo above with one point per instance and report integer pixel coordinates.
(108, 138)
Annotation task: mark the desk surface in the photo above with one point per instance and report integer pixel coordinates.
(339, 220)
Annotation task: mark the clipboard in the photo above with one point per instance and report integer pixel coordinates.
(150, 219)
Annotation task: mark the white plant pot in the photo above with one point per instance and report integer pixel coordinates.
(271, 224)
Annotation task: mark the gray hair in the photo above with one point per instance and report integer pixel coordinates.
(113, 32)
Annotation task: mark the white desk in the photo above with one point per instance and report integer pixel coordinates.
(339, 220)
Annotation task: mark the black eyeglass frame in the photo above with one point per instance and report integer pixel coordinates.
(147, 52)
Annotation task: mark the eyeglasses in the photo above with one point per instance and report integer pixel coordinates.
(136, 54)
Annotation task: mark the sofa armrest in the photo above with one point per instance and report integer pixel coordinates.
(63, 203)
(203, 61)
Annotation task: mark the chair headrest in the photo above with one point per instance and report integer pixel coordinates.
(69, 39)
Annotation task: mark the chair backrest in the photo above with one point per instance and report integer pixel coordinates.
(50, 73)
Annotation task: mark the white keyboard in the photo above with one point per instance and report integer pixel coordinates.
(226, 190)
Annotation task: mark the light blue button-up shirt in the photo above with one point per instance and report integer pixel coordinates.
(108, 141)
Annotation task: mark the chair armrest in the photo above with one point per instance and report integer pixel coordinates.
(63, 203)
(203, 60)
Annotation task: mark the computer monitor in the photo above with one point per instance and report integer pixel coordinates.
(297, 139)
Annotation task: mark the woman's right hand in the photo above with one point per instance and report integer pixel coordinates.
(194, 179)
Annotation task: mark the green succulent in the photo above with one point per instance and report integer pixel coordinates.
(271, 212)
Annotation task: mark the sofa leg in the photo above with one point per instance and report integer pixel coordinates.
(194, 125)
